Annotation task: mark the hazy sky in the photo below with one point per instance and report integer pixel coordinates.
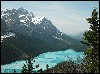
(67, 16)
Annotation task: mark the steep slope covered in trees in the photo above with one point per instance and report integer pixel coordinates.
(33, 35)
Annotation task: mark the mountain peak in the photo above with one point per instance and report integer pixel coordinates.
(22, 11)
(22, 8)
(3, 9)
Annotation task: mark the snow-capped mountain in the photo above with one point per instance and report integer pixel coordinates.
(17, 19)
(31, 35)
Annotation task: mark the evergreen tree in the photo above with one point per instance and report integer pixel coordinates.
(28, 68)
(47, 66)
(14, 71)
(91, 39)
(40, 71)
(29, 64)
(24, 69)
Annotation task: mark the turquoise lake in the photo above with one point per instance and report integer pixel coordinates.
(50, 58)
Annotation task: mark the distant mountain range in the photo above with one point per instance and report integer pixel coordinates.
(22, 34)
(79, 35)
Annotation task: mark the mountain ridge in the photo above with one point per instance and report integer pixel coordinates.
(31, 37)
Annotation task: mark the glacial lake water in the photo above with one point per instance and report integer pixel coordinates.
(50, 58)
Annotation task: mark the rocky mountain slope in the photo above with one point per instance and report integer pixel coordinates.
(30, 35)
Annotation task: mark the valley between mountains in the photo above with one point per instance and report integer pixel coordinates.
(22, 34)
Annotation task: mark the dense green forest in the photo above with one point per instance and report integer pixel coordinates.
(23, 45)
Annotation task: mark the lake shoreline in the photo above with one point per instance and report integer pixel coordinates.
(43, 59)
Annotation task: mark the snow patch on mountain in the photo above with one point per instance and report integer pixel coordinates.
(57, 38)
(22, 20)
(37, 20)
(3, 10)
(21, 15)
(7, 35)
(27, 18)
